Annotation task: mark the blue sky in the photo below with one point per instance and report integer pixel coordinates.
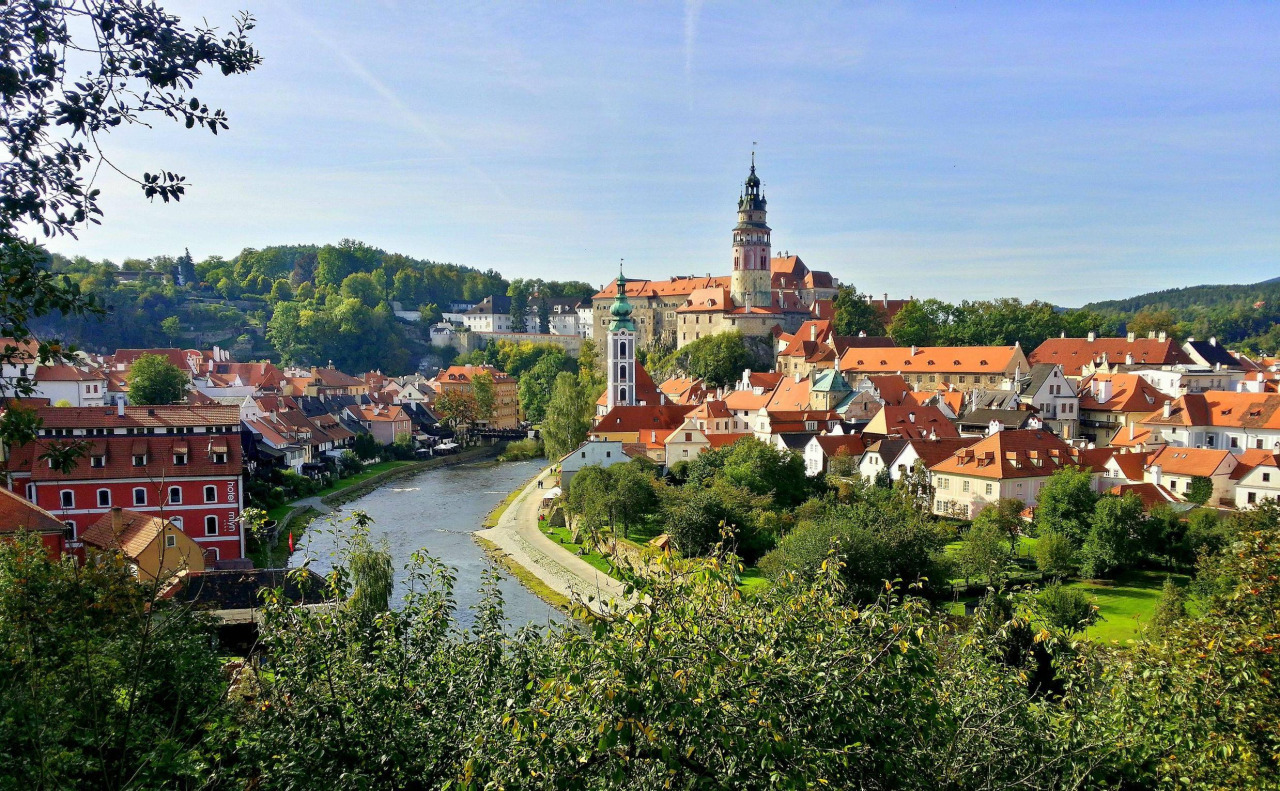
(1067, 152)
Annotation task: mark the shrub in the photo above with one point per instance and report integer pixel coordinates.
(521, 450)
(1055, 554)
(1068, 609)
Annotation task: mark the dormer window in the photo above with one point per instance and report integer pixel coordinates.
(219, 458)
(139, 459)
(99, 461)
(179, 459)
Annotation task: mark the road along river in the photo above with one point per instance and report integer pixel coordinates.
(437, 511)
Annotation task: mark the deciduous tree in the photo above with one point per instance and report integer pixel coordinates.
(153, 380)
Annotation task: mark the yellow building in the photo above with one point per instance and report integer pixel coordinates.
(154, 546)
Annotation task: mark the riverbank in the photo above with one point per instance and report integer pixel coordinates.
(295, 516)
(516, 539)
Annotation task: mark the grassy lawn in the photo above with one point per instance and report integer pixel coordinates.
(753, 581)
(564, 538)
(1127, 604)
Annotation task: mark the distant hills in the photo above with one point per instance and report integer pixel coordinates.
(1195, 296)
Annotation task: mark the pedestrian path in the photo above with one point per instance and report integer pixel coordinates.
(517, 534)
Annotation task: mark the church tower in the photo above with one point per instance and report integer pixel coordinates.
(752, 283)
(620, 356)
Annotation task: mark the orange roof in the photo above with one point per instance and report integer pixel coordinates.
(1221, 409)
(1074, 353)
(1129, 393)
(722, 440)
(835, 444)
(674, 287)
(1251, 458)
(1024, 453)
(139, 416)
(663, 418)
(909, 422)
(135, 534)
(18, 513)
(683, 389)
(67, 373)
(1132, 464)
(747, 400)
(894, 390)
(789, 395)
(1192, 461)
(464, 374)
(711, 410)
(382, 414)
(704, 300)
(1151, 494)
(930, 359)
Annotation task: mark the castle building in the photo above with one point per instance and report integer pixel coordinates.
(761, 292)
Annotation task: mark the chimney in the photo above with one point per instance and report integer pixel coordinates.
(911, 417)
(886, 300)
(1131, 337)
(1162, 335)
(1128, 358)
(862, 333)
(1093, 336)
(1168, 409)
(1104, 391)
(813, 332)
(1063, 334)
(1213, 341)
(120, 408)
(914, 349)
(117, 520)
(1131, 424)
(1155, 474)
(1151, 336)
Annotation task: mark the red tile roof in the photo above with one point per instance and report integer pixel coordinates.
(1151, 494)
(1192, 461)
(1129, 393)
(1221, 409)
(642, 418)
(17, 513)
(1026, 453)
(930, 359)
(139, 416)
(1074, 353)
(159, 450)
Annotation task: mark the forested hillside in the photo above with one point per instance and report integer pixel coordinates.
(1244, 316)
(304, 304)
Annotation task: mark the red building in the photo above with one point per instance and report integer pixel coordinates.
(180, 462)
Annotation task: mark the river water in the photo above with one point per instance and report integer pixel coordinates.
(437, 511)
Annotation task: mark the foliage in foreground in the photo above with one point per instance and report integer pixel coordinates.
(694, 687)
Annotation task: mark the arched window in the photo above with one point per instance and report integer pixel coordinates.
(104, 498)
(211, 525)
(67, 498)
(622, 348)
(211, 494)
(139, 496)
(622, 372)
(175, 495)
(622, 395)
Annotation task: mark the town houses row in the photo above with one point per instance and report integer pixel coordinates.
(1140, 414)
(188, 465)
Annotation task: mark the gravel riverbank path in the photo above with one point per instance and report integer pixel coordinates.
(517, 535)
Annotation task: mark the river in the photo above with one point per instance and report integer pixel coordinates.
(437, 511)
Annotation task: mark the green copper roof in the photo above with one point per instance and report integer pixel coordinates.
(830, 381)
(621, 309)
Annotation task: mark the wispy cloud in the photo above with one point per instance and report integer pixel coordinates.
(692, 12)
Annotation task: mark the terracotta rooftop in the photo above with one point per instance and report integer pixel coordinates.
(1075, 353)
(1028, 453)
(930, 359)
(18, 513)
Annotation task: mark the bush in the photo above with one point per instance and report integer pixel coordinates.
(521, 450)
(1200, 490)
(1068, 609)
(1055, 554)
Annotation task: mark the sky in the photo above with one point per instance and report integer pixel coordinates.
(1065, 152)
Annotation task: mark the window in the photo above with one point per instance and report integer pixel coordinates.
(139, 459)
(67, 498)
(1266, 477)
(175, 495)
(964, 486)
(988, 488)
(70, 532)
(170, 541)
(1252, 498)
(1235, 442)
(104, 498)
(211, 525)
(219, 458)
(179, 459)
(98, 461)
(688, 436)
(177, 521)
(139, 496)
(211, 494)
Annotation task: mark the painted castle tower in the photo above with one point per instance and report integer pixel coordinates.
(751, 285)
(620, 355)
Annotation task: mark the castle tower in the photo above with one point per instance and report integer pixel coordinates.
(752, 282)
(620, 356)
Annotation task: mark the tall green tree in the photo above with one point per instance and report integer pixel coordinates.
(519, 311)
(1114, 541)
(1065, 504)
(854, 314)
(153, 380)
(916, 324)
(568, 417)
(484, 391)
